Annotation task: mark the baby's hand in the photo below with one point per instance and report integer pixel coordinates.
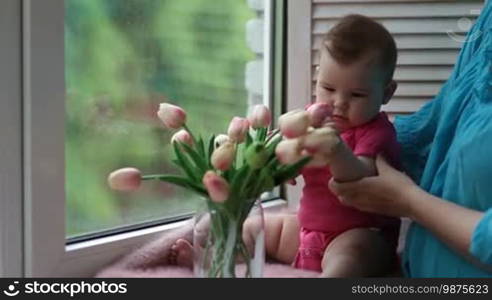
(322, 143)
(319, 114)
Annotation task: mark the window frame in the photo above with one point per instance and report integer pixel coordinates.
(45, 251)
(298, 72)
(11, 229)
(43, 123)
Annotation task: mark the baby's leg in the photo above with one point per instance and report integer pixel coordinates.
(181, 254)
(281, 236)
(359, 252)
(281, 240)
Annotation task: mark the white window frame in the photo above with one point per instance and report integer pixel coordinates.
(11, 230)
(298, 72)
(32, 117)
(44, 113)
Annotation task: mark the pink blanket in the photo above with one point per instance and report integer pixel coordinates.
(151, 261)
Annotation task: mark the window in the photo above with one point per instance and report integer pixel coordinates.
(123, 58)
(94, 72)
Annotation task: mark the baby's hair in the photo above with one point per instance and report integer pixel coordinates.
(355, 36)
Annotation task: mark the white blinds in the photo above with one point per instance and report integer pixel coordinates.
(428, 33)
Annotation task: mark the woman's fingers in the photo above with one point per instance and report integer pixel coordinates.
(383, 194)
(349, 193)
(392, 178)
(382, 165)
(341, 189)
(364, 185)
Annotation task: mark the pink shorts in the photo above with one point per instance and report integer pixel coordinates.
(312, 248)
(313, 245)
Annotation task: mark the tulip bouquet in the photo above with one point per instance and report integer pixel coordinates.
(231, 171)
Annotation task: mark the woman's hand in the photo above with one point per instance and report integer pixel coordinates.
(389, 193)
(393, 193)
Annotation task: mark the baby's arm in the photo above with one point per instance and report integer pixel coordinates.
(346, 166)
(327, 147)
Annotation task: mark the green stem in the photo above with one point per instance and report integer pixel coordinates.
(236, 160)
(217, 262)
(226, 243)
(191, 134)
(272, 134)
(230, 247)
(219, 234)
(246, 256)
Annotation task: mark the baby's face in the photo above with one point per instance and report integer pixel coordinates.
(355, 91)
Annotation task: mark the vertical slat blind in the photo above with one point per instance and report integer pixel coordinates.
(428, 34)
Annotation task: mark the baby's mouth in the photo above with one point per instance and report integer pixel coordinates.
(340, 122)
(338, 118)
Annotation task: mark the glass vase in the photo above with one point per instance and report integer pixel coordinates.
(227, 242)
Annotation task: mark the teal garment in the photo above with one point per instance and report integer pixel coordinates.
(447, 149)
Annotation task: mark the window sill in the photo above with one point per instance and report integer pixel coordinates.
(84, 259)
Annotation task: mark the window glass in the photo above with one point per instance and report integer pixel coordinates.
(123, 58)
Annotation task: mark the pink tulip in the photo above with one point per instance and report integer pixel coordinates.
(260, 117)
(291, 181)
(171, 115)
(289, 151)
(182, 136)
(223, 156)
(217, 187)
(220, 140)
(324, 141)
(238, 128)
(319, 114)
(126, 179)
(294, 123)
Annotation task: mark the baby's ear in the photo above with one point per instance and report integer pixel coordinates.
(389, 91)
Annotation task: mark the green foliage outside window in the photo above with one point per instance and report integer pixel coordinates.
(124, 57)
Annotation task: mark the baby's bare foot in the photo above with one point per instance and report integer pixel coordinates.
(181, 254)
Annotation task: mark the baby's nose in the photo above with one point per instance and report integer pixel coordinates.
(339, 102)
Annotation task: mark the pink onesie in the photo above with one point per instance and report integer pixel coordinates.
(321, 215)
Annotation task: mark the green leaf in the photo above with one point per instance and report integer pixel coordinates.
(177, 163)
(256, 155)
(197, 159)
(272, 134)
(272, 163)
(290, 171)
(239, 180)
(249, 139)
(264, 182)
(239, 159)
(211, 148)
(261, 134)
(201, 146)
(179, 181)
(237, 186)
(270, 148)
(185, 164)
(229, 174)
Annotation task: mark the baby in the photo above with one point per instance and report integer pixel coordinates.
(358, 59)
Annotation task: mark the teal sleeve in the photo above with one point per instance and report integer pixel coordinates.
(481, 244)
(415, 134)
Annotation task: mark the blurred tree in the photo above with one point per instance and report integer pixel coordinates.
(124, 57)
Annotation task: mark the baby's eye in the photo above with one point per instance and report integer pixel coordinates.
(329, 89)
(359, 95)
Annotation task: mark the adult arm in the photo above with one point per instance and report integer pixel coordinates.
(395, 194)
(451, 223)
